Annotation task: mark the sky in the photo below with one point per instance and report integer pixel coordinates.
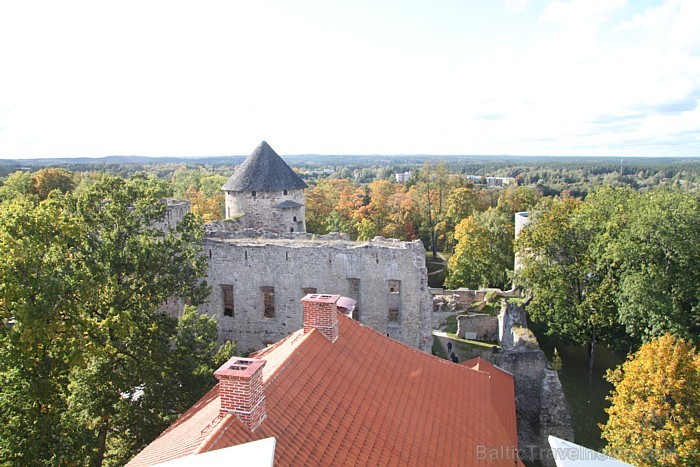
(473, 77)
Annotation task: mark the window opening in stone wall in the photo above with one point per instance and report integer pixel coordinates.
(291, 229)
(227, 293)
(308, 290)
(285, 192)
(268, 302)
(394, 315)
(295, 218)
(253, 194)
(394, 300)
(354, 293)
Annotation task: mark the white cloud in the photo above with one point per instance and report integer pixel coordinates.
(516, 6)
(171, 77)
(576, 11)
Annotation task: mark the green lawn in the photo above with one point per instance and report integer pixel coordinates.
(586, 403)
(438, 349)
(435, 264)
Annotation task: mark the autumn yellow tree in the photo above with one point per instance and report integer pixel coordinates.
(655, 412)
(210, 208)
(51, 178)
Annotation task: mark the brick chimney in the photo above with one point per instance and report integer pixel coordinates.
(241, 390)
(321, 312)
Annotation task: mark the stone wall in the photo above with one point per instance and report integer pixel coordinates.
(388, 278)
(555, 418)
(541, 407)
(174, 212)
(478, 326)
(260, 211)
(464, 299)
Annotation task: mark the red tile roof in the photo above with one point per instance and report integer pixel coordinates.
(364, 399)
(502, 391)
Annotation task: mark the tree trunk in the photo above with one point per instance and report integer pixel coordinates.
(101, 444)
(434, 244)
(591, 360)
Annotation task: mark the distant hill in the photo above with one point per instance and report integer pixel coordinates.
(233, 160)
(357, 160)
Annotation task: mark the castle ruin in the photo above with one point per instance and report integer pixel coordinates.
(261, 263)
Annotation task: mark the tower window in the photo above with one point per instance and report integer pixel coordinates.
(285, 192)
(227, 292)
(268, 294)
(253, 193)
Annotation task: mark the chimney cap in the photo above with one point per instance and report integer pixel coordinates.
(320, 298)
(240, 367)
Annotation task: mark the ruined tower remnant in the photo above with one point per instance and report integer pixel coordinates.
(521, 220)
(265, 193)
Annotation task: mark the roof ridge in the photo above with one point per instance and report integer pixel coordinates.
(216, 433)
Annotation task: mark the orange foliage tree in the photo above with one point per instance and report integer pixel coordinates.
(655, 412)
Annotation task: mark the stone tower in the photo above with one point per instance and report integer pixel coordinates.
(265, 193)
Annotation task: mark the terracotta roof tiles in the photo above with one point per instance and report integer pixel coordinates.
(363, 400)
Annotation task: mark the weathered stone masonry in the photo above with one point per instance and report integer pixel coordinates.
(257, 285)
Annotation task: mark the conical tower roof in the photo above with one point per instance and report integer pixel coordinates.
(264, 170)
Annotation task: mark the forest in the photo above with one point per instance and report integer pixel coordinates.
(610, 258)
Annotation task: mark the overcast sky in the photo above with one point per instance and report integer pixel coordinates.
(201, 78)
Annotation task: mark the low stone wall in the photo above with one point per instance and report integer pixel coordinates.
(440, 318)
(477, 326)
(463, 299)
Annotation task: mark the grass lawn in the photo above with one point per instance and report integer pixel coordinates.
(438, 349)
(586, 402)
(451, 326)
(434, 265)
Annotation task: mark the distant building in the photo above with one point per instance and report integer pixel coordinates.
(494, 182)
(403, 177)
(339, 393)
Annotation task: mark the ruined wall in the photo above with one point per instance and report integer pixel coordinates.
(541, 407)
(174, 212)
(555, 418)
(261, 211)
(480, 327)
(259, 282)
(463, 299)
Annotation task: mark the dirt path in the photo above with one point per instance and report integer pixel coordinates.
(440, 260)
(443, 338)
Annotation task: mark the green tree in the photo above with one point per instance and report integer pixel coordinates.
(565, 267)
(654, 419)
(366, 230)
(657, 254)
(17, 183)
(484, 252)
(85, 364)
